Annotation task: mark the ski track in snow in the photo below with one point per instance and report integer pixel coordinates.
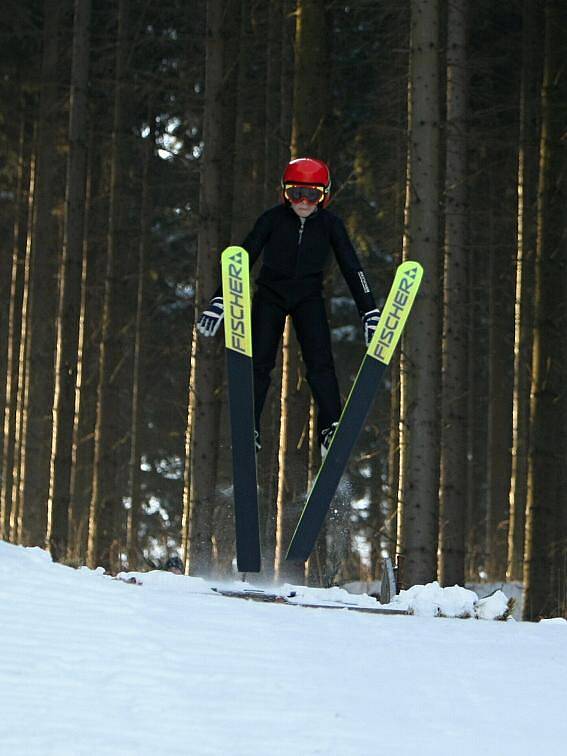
(91, 665)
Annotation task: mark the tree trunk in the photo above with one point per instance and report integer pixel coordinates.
(419, 464)
(316, 570)
(310, 92)
(204, 407)
(499, 393)
(293, 457)
(41, 332)
(14, 325)
(137, 367)
(287, 83)
(393, 464)
(545, 498)
(249, 127)
(273, 103)
(454, 345)
(92, 285)
(69, 292)
(108, 487)
(523, 309)
(22, 381)
(476, 435)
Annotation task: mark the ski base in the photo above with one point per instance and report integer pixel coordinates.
(254, 594)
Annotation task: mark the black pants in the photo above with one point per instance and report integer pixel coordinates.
(312, 328)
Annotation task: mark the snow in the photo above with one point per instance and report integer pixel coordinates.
(513, 590)
(95, 665)
(433, 601)
(322, 596)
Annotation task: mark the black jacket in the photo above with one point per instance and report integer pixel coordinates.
(296, 254)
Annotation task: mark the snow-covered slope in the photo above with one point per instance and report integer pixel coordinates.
(92, 665)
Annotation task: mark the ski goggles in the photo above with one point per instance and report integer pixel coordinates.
(297, 192)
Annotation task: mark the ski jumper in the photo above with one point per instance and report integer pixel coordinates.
(296, 252)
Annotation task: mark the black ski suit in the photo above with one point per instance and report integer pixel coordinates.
(296, 252)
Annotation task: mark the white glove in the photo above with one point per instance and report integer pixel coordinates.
(212, 317)
(370, 321)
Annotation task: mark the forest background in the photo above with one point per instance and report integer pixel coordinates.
(137, 140)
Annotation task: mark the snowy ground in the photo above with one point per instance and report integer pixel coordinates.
(92, 665)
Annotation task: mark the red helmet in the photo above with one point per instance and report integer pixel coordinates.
(308, 171)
